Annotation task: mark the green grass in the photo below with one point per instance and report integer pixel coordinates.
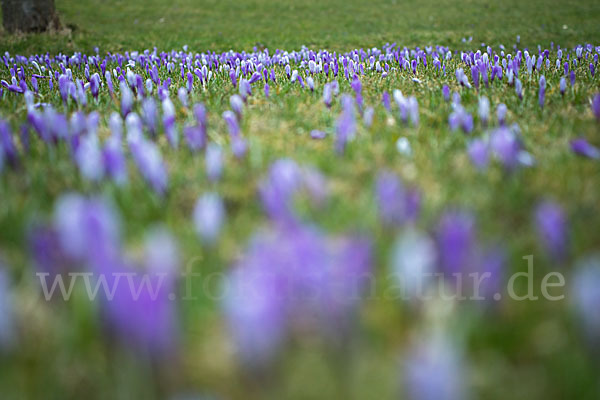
(221, 25)
(517, 350)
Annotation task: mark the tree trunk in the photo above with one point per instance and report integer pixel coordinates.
(29, 15)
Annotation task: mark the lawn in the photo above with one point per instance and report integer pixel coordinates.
(493, 349)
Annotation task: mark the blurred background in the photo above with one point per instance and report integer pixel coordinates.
(221, 25)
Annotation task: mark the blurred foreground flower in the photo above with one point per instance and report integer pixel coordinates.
(596, 106)
(8, 333)
(552, 228)
(293, 280)
(396, 204)
(141, 312)
(137, 304)
(582, 147)
(462, 256)
(585, 292)
(434, 369)
(209, 215)
(284, 180)
(413, 261)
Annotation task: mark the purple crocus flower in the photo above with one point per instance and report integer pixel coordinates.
(357, 87)
(115, 124)
(277, 190)
(195, 137)
(209, 216)
(335, 88)
(455, 99)
(150, 115)
(572, 77)
(402, 104)
(327, 95)
(501, 111)
(12, 88)
(478, 153)
(395, 203)
(34, 84)
(200, 115)
(148, 159)
(7, 144)
(456, 241)
(446, 92)
(233, 77)
(213, 161)
(266, 90)
(300, 81)
(237, 105)
(190, 82)
(239, 147)
(475, 76)
(433, 369)
(149, 87)
(255, 78)
(95, 85)
(519, 88)
(140, 313)
(115, 164)
(460, 118)
(542, 91)
(585, 295)
(317, 134)
(138, 85)
(311, 83)
(583, 148)
(462, 78)
(47, 254)
(551, 225)
(505, 146)
(293, 278)
(89, 158)
(563, 86)
(245, 89)
(88, 229)
(25, 138)
(596, 106)
(182, 95)
(491, 263)
(232, 123)
(126, 99)
(254, 308)
(385, 99)
(315, 184)
(59, 127)
(109, 82)
(169, 122)
(390, 198)
(63, 87)
(345, 126)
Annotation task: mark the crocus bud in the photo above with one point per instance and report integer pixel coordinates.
(582, 147)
